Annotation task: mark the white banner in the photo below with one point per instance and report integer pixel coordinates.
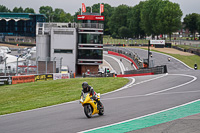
(161, 42)
(61, 76)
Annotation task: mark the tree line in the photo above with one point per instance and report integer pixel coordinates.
(150, 17)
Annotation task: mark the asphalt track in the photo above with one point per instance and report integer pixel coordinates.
(147, 95)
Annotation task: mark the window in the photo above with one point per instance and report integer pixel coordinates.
(90, 54)
(67, 51)
(90, 39)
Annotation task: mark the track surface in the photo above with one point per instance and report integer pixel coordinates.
(122, 105)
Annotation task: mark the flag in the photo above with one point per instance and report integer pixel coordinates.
(102, 8)
(83, 7)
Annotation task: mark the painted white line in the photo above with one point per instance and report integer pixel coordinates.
(148, 80)
(139, 117)
(160, 94)
(171, 57)
(108, 64)
(121, 65)
(125, 87)
(77, 101)
(154, 93)
(194, 79)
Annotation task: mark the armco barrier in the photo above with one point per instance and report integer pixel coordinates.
(23, 79)
(124, 56)
(147, 71)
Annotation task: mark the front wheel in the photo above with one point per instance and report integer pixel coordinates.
(88, 110)
(101, 110)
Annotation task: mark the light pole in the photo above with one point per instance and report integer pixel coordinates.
(17, 64)
(5, 65)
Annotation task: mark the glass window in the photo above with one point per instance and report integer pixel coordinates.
(68, 51)
(90, 54)
(90, 39)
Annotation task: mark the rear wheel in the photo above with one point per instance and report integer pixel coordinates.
(88, 110)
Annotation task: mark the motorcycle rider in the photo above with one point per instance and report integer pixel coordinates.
(86, 89)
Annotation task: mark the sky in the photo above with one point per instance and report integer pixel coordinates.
(72, 6)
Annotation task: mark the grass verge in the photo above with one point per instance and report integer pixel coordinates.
(21, 97)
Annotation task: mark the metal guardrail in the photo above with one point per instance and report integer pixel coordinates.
(155, 70)
(129, 54)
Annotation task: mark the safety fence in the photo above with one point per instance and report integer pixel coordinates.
(29, 65)
(148, 71)
(8, 80)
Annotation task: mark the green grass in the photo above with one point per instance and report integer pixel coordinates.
(187, 47)
(189, 60)
(21, 97)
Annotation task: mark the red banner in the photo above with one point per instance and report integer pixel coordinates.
(83, 7)
(90, 17)
(102, 8)
(23, 79)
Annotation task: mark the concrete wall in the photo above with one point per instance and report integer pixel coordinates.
(64, 39)
(42, 47)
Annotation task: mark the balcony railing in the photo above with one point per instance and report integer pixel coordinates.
(44, 28)
(90, 25)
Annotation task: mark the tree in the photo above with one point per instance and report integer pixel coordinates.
(118, 18)
(18, 10)
(191, 22)
(29, 10)
(148, 15)
(4, 9)
(168, 18)
(124, 32)
(48, 11)
(134, 21)
(198, 26)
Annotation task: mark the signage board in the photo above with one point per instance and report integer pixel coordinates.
(23, 79)
(90, 17)
(161, 42)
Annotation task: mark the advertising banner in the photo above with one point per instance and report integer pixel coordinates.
(40, 77)
(43, 77)
(23, 79)
(90, 17)
(49, 76)
(161, 42)
(66, 76)
(83, 7)
(57, 76)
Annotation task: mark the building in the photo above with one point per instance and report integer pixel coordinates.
(80, 45)
(19, 27)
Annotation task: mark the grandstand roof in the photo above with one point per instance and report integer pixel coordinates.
(18, 16)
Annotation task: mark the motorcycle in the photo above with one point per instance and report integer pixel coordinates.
(169, 59)
(90, 106)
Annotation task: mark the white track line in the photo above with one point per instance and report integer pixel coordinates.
(121, 65)
(140, 116)
(108, 64)
(169, 56)
(154, 93)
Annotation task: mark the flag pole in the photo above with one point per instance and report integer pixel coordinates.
(81, 8)
(100, 9)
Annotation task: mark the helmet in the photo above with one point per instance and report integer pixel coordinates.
(85, 85)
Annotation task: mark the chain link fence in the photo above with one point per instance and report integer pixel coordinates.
(29, 65)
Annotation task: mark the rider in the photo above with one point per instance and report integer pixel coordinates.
(87, 88)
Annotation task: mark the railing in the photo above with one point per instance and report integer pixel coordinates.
(45, 28)
(90, 25)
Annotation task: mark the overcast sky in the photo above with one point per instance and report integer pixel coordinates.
(71, 6)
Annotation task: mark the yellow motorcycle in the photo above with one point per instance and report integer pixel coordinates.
(90, 106)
